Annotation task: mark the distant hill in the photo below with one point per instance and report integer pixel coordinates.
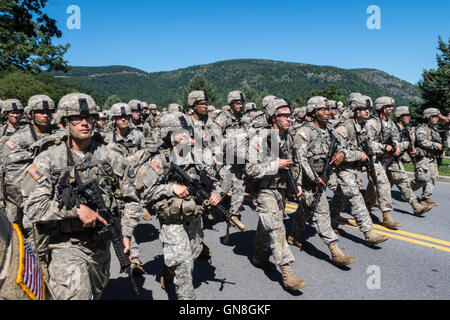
(283, 79)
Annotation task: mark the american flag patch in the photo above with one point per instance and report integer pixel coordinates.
(11, 144)
(257, 146)
(34, 172)
(156, 166)
(341, 131)
(29, 276)
(219, 122)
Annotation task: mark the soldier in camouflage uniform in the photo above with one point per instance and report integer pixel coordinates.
(313, 141)
(299, 116)
(230, 123)
(180, 217)
(349, 182)
(385, 146)
(136, 120)
(127, 141)
(13, 110)
(79, 259)
(250, 108)
(16, 153)
(264, 170)
(396, 171)
(259, 118)
(430, 148)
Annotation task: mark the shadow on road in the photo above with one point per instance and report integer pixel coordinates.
(121, 289)
(145, 232)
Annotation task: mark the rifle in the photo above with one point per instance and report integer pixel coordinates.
(326, 172)
(201, 196)
(370, 165)
(90, 194)
(405, 133)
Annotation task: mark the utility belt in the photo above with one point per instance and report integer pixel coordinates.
(75, 237)
(178, 209)
(66, 226)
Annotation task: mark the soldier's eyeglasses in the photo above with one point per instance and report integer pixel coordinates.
(202, 103)
(75, 120)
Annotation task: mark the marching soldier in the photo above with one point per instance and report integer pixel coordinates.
(430, 152)
(79, 259)
(313, 140)
(349, 182)
(13, 110)
(265, 170)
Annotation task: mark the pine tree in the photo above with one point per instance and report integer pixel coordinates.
(435, 86)
(200, 83)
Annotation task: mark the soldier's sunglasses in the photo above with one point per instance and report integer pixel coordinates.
(284, 115)
(76, 120)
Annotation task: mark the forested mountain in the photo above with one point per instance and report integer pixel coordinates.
(293, 81)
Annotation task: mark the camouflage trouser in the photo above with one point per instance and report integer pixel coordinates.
(271, 233)
(79, 272)
(425, 174)
(332, 183)
(231, 182)
(383, 187)
(348, 191)
(397, 176)
(182, 244)
(321, 217)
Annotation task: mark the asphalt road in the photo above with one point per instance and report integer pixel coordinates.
(414, 263)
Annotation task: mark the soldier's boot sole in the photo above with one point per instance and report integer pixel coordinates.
(238, 222)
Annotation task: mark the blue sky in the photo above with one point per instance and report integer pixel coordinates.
(168, 35)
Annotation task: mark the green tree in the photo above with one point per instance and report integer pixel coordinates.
(331, 93)
(252, 95)
(22, 86)
(26, 35)
(199, 82)
(110, 101)
(435, 85)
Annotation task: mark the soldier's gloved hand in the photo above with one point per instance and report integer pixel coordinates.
(284, 163)
(89, 217)
(337, 158)
(214, 199)
(180, 191)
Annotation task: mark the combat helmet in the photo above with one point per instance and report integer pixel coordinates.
(382, 102)
(276, 104)
(430, 112)
(77, 104)
(196, 96)
(12, 105)
(401, 111)
(135, 105)
(266, 100)
(120, 110)
(40, 103)
(234, 96)
(250, 106)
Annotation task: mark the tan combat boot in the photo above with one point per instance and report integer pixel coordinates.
(429, 202)
(389, 222)
(373, 238)
(136, 266)
(290, 281)
(262, 262)
(420, 209)
(238, 222)
(294, 242)
(338, 257)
